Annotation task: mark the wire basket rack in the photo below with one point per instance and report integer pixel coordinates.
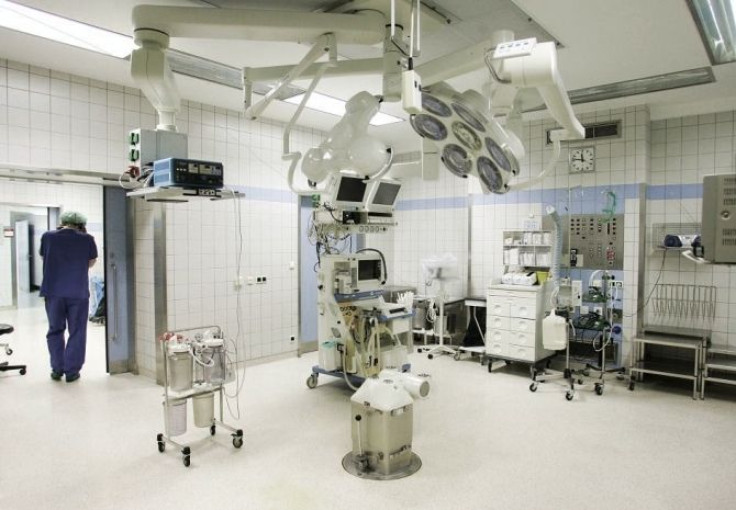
(683, 305)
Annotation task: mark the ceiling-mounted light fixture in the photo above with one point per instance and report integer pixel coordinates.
(56, 28)
(334, 106)
(716, 22)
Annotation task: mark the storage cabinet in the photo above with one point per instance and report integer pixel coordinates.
(514, 323)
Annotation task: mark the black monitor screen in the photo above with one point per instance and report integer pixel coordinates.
(369, 270)
(352, 189)
(386, 193)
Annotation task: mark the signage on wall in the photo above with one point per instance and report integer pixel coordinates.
(8, 232)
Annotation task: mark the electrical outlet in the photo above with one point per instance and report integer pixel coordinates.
(617, 283)
(238, 283)
(250, 280)
(292, 338)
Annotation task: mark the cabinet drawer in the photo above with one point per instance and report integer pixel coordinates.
(522, 325)
(498, 307)
(519, 338)
(499, 336)
(520, 352)
(494, 322)
(523, 308)
(497, 348)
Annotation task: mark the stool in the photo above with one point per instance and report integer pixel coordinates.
(6, 329)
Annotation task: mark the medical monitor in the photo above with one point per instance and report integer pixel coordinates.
(349, 191)
(369, 270)
(382, 196)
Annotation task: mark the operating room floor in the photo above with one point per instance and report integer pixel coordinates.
(484, 439)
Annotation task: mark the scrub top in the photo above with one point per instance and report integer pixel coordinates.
(66, 254)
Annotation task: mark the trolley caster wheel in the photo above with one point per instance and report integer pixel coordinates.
(161, 443)
(569, 395)
(580, 381)
(631, 386)
(8, 351)
(430, 356)
(533, 387)
(456, 357)
(213, 429)
(312, 381)
(490, 366)
(598, 389)
(238, 438)
(22, 371)
(186, 460)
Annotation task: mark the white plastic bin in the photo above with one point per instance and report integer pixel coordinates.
(176, 416)
(180, 367)
(329, 356)
(204, 409)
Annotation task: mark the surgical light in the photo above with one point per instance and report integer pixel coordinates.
(469, 140)
(348, 146)
(55, 28)
(334, 106)
(716, 22)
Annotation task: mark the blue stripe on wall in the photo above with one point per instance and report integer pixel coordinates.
(674, 191)
(587, 199)
(432, 203)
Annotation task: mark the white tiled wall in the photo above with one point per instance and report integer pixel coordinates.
(684, 150)
(432, 223)
(50, 119)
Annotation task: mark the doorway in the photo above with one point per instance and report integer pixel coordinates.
(21, 266)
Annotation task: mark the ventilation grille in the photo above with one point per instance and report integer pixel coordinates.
(728, 191)
(597, 131)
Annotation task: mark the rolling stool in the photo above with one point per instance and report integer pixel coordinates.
(6, 329)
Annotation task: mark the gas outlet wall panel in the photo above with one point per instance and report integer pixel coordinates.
(592, 241)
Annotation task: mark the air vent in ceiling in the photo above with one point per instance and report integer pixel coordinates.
(598, 131)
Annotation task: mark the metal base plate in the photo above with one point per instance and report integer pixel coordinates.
(348, 462)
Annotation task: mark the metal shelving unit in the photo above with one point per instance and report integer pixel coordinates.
(719, 367)
(679, 369)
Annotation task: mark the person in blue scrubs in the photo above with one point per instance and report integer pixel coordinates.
(68, 254)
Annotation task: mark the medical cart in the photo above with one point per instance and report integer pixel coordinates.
(184, 381)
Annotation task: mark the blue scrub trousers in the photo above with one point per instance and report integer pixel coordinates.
(67, 357)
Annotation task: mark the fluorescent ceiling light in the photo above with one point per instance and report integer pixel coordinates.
(334, 106)
(716, 21)
(63, 30)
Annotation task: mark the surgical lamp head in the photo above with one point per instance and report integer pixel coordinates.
(469, 140)
(348, 145)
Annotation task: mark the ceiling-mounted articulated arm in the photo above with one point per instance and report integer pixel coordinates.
(325, 44)
(150, 70)
(538, 70)
(365, 27)
(154, 25)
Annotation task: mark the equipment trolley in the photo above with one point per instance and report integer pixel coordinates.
(195, 369)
